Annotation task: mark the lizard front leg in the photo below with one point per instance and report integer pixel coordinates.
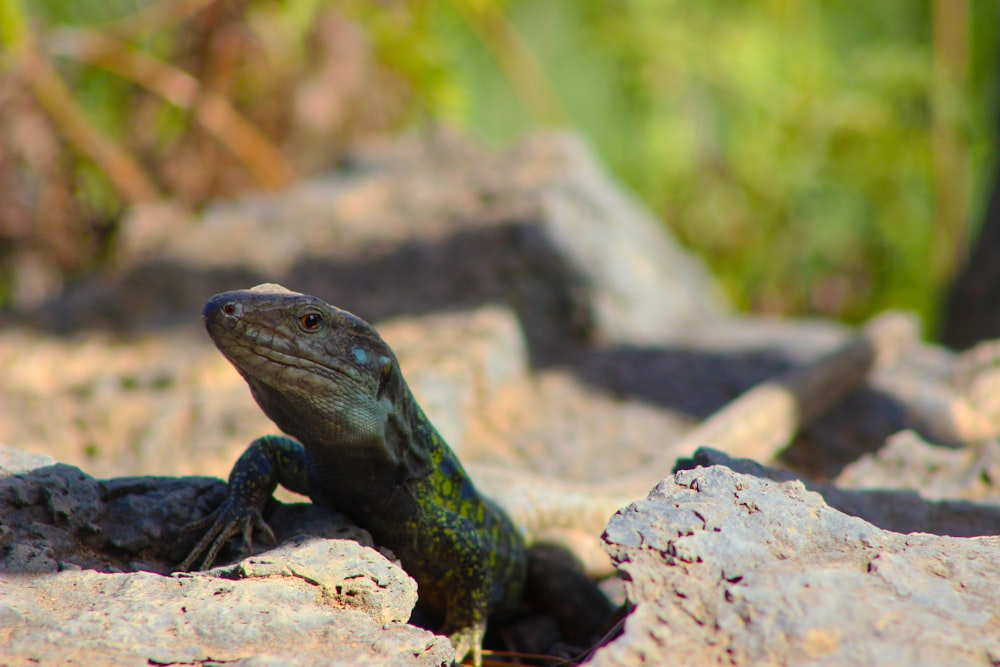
(267, 462)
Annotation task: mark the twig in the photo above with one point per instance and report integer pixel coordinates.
(514, 58)
(244, 139)
(38, 74)
(155, 17)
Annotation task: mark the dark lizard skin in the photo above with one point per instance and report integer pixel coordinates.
(364, 447)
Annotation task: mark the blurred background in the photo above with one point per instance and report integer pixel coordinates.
(829, 158)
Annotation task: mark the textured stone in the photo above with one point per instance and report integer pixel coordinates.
(417, 227)
(621, 254)
(730, 568)
(888, 501)
(84, 569)
(121, 619)
(908, 462)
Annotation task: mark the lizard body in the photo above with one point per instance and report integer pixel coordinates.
(363, 446)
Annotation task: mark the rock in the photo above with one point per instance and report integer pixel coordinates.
(415, 228)
(893, 505)
(14, 461)
(725, 567)
(343, 573)
(641, 286)
(278, 611)
(908, 462)
(543, 318)
(56, 517)
(85, 564)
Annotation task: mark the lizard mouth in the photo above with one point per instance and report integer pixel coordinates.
(251, 358)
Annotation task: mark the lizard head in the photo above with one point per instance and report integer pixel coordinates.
(320, 373)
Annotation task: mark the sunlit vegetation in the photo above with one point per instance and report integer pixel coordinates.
(824, 157)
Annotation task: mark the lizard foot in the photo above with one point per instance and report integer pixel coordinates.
(231, 518)
(469, 640)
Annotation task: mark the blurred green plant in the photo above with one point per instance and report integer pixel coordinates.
(821, 155)
(790, 143)
(108, 104)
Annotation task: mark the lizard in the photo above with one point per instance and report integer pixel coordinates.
(361, 444)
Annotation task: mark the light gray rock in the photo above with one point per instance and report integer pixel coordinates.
(642, 287)
(731, 568)
(288, 607)
(908, 461)
(888, 501)
(344, 574)
(84, 569)
(14, 461)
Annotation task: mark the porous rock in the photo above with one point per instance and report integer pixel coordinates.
(67, 542)
(907, 461)
(731, 568)
(941, 504)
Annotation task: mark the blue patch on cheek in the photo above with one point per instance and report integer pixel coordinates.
(447, 467)
(468, 492)
(359, 355)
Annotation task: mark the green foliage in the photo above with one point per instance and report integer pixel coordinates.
(788, 142)
(82, 12)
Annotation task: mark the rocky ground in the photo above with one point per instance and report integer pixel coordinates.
(547, 323)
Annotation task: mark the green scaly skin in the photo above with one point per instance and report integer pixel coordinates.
(364, 447)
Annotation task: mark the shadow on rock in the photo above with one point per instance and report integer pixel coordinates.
(898, 511)
(56, 517)
(510, 264)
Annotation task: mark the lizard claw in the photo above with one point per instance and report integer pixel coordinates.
(231, 518)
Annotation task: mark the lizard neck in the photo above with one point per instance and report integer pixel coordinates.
(376, 478)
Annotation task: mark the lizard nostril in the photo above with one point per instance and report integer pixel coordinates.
(224, 306)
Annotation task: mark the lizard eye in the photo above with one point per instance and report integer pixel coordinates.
(310, 321)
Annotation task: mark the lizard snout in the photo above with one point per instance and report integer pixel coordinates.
(221, 307)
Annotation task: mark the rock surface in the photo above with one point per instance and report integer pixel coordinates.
(891, 504)
(84, 579)
(729, 568)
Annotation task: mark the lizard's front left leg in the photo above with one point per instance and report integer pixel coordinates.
(267, 462)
